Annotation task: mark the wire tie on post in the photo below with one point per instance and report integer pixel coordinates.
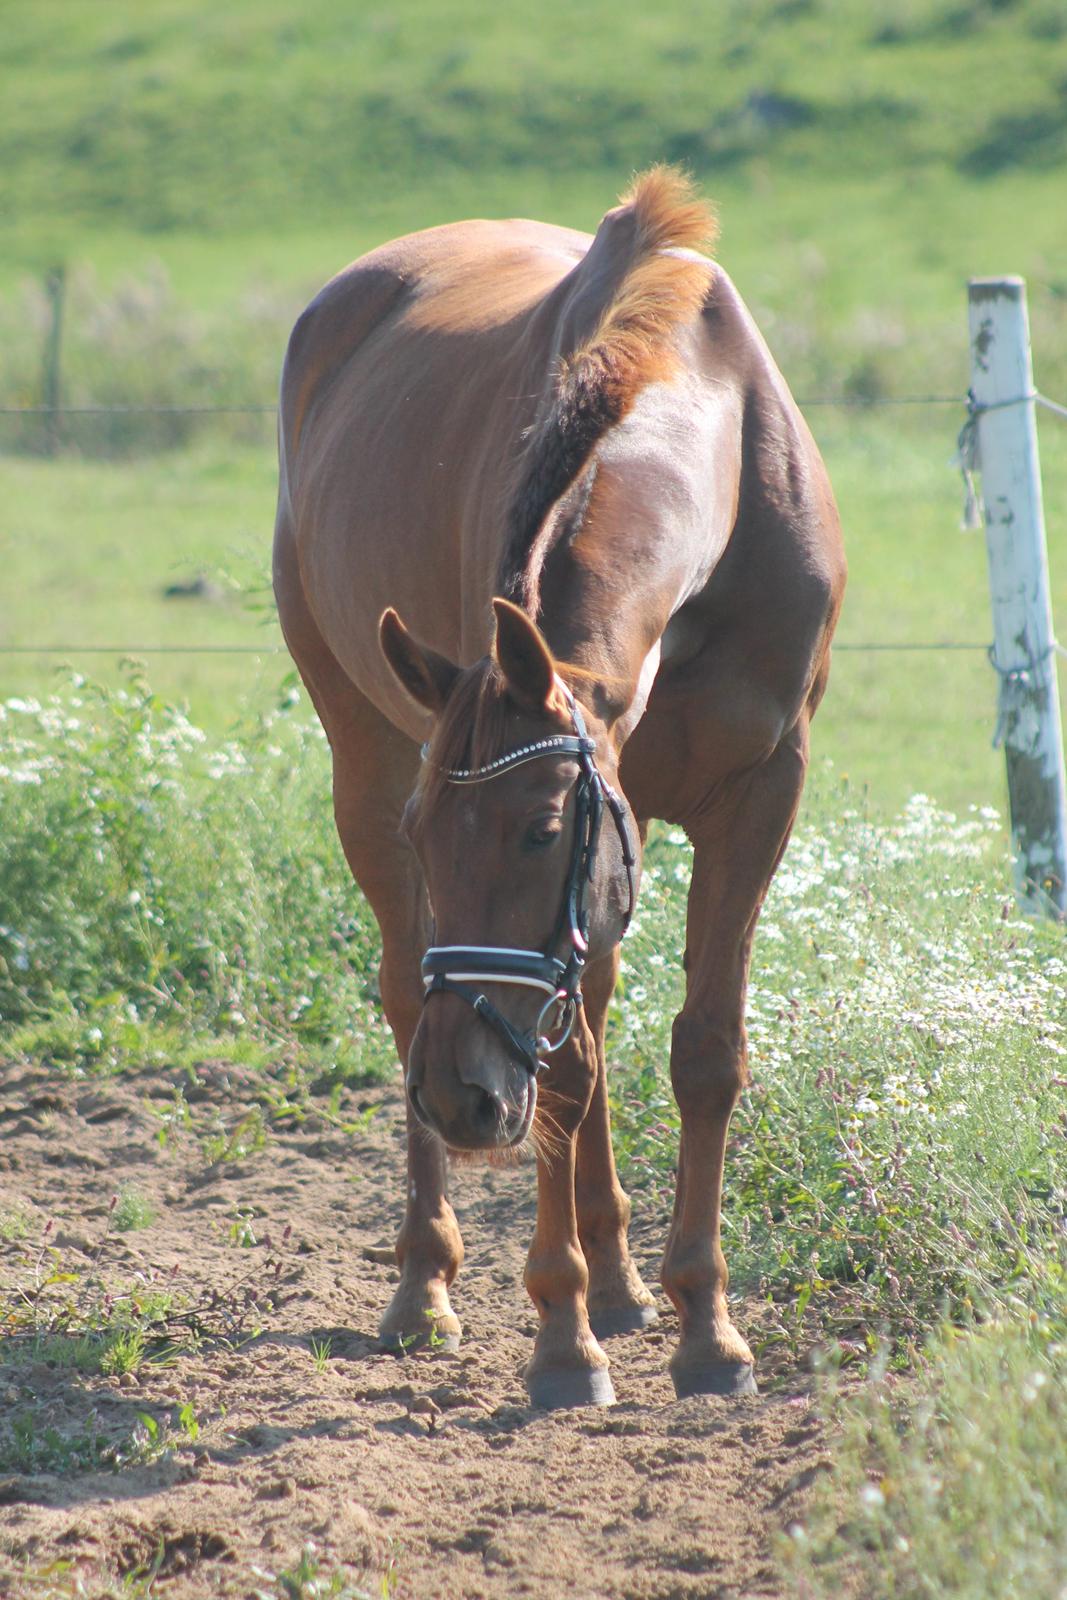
(1015, 685)
(968, 455)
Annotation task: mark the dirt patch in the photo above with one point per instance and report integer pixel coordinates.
(428, 1471)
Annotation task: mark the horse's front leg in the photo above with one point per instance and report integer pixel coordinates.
(618, 1301)
(568, 1367)
(429, 1251)
(429, 1247)
(736, 851)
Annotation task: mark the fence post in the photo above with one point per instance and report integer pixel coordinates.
(1024, 651)
(56, 288)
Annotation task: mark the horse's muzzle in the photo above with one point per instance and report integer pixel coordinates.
(471, 1117)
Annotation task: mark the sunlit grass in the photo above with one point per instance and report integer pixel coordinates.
(953, 1483)
(153, 881)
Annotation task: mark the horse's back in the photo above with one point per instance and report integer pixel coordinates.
(410, 384)
(422, 295)
(405, 390)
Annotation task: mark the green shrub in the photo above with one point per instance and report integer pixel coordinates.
(150, 877)
(951, 1485)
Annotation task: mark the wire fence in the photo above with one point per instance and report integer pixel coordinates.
(847, 402)
(55, 414)
(858, 402)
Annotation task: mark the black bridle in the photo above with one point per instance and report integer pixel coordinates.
(459, 968)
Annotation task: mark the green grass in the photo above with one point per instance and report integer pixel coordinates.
(25, 1449)
(118, 117)
(118, 813)
(132, 1212)
(14, 1224)
(897, 723)
(109, 1350)
(94, 545)
(898, 1154)
(952, 1485)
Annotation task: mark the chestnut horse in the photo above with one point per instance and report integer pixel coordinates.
(573, 468)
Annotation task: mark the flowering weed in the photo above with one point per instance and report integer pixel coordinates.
(153, 880)
(902, 1138)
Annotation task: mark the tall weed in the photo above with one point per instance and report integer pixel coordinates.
(147, 873)
(953, 1484)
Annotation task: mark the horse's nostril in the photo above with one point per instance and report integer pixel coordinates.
(488, 1110)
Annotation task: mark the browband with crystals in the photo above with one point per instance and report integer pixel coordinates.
(561, 744)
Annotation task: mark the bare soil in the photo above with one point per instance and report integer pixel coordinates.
(425, 1475)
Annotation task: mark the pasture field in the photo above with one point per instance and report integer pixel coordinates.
(200, 1162)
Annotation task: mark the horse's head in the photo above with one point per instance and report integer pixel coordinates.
(525, 884)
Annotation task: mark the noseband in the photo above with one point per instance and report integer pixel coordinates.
(459, 968)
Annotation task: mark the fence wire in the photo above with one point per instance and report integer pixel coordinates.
(55, 414)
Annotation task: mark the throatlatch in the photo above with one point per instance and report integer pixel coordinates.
(454, 968)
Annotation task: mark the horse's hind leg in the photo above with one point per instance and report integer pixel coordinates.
(373, 774)
(617, 1300)
(737, 846)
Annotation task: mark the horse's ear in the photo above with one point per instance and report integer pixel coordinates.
(427, 677)
(525, 660)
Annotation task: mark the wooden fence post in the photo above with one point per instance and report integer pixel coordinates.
(1024, 651)
(56, 289)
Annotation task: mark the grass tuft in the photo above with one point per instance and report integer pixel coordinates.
(952, 1484)
(132, 1211)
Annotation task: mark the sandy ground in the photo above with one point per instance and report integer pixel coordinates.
(475, 1495)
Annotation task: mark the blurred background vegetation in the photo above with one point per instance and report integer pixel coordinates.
(200, 170)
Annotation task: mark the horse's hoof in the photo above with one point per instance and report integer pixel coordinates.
(564, 1387)
(621, 1319)
(729, 1378)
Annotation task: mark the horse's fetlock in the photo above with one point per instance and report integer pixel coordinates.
(698, 1272)
(603, 1226)
(432, 1248)
(556, 1277)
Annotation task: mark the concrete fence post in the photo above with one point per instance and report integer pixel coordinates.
(1024, 651)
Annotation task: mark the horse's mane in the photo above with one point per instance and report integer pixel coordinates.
(595, 385)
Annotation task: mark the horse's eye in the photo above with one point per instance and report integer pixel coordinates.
(541, 836)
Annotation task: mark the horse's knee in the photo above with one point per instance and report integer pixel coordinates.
(603, 1215)
(401, 1002)
(708, 1065)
